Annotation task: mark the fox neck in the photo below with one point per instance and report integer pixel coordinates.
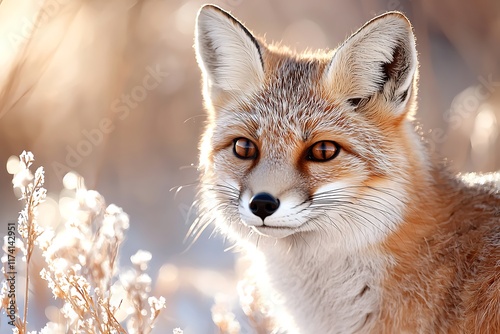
(327, 290)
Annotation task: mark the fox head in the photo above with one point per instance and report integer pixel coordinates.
(308, 144)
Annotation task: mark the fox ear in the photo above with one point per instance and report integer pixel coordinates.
(227, 53)
(379, 58)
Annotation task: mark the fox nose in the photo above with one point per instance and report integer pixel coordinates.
(264, 205)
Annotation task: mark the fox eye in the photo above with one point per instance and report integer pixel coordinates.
(244, 148)
(323, 151)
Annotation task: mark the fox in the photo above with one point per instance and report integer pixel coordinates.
(315, 165)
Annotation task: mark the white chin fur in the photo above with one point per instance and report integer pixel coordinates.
(274, 232)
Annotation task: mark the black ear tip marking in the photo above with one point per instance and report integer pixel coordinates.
(355, 101)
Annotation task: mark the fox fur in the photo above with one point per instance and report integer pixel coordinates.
(379, 239)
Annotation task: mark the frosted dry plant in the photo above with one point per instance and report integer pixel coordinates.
(137, 285)
(223, 318)
(82, 264)
(257, 306)
(32, 193)
(83, 271)
(258, 312)
(257, 309)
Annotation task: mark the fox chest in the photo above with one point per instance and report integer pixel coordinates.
(328, 297)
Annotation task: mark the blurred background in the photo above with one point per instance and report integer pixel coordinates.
(110, 89)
